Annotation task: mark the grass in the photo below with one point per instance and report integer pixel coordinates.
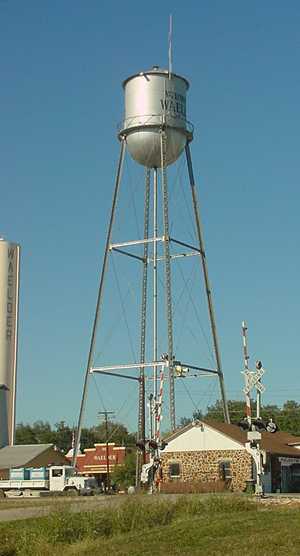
(191, 525)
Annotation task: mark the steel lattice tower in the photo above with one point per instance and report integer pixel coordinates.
(155, 132)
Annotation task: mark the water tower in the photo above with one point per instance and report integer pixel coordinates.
(156, 132)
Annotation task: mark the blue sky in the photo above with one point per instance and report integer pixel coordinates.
(62, 64)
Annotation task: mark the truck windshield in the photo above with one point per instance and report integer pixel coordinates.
(91, 482)
(70, 472)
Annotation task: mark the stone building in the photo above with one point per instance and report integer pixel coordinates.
(209, 455)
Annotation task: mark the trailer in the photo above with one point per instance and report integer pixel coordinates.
(47, 480)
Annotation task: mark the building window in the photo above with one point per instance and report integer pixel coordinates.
(225, 469)
(174, 470)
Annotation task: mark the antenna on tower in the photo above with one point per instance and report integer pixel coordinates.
(170, 44)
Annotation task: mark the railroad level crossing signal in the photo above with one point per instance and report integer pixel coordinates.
(254, 426)
(257, 424)
(148, 445)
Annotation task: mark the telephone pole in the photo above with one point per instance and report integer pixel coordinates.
(106, 414)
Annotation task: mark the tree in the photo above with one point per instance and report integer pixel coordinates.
(236, 410)
(117, 432)
(184, 421)
(287, 418)
(270, 411)
(43, 432)
(124, 475)
(291, 405)
(25, 434)
(88, 439)
(63, 436)
(38, 433)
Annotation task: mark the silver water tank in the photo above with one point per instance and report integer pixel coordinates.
(152, 99)
(9, 293)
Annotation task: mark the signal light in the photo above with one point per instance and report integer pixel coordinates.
(162, 445)
(146, 445)
(141, 445)
(259, 425)
(244, 424)
(271, 426)
(153, 444)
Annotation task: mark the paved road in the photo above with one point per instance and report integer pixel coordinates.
(39, 507)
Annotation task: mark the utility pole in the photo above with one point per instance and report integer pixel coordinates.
(106, 414)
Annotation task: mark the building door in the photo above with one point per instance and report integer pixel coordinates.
(285, 478)
(295, 477)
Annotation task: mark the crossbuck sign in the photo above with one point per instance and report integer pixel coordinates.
(253, 379)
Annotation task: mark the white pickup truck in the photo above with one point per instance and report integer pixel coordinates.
(58, 478)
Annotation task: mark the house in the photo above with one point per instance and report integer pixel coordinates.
(29, 455)
(213, 454)
(94, 461)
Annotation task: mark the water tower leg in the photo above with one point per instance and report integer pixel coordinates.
(140, 457)
(168, 278)
(207, 284)
(99, 299)
(155, 293)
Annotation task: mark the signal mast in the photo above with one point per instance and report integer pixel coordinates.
(254, 425)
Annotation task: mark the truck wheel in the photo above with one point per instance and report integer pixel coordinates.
(71, 491)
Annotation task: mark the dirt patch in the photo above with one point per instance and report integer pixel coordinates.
(282, 501)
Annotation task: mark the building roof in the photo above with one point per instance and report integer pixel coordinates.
(280, 443)
(21, 455)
